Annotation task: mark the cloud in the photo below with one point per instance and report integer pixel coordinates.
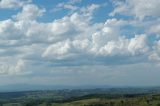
(79, 37)
(29, 12)
(105, 41)
(138, 8)
(9, 4)
(74, 40)
(80, 47)
(89, 10)
(74, 1)
(86, 11)
(18, 68)
(155, 29)
(10, 30)
(132, 47)
(92, 75)
(69, 5)
(58, 51)
(155, 55)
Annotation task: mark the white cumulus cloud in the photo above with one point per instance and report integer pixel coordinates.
(13, 3)
(138, 8)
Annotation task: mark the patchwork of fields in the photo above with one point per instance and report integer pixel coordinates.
(87, 97)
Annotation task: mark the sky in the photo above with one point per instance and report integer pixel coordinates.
(80, 42)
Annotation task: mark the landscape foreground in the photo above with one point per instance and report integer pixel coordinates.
(83, 97)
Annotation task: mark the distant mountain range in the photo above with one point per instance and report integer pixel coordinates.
(30, 87)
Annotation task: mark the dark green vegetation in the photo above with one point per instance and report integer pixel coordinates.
(87, 97)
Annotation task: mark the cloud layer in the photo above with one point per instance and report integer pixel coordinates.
(29, 46)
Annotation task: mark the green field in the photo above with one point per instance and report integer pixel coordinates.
(147, 100)
(96, 97)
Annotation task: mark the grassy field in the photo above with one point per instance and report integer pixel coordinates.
(146, 100)
(80, 98)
